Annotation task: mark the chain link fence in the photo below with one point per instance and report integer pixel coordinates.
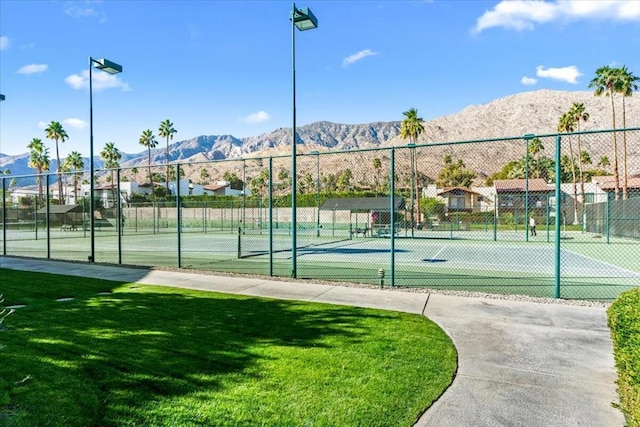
(559, 217)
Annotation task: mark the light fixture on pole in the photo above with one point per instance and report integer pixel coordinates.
(111, 68)
(303, 19)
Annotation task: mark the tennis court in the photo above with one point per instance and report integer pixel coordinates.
(589, 268)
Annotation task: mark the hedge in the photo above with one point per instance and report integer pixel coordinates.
(624, 322)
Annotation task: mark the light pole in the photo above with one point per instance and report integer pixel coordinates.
(412, 154)
(111, 68)
(304, 20)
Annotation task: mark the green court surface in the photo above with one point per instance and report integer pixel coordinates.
(590, 266)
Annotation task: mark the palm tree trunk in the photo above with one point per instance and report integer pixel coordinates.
(168, 164)
(574, 181)
(625, 194)
(616, 170)
(580, 167)
(60, 195)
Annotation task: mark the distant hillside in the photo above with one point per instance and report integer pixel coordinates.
(516, 115)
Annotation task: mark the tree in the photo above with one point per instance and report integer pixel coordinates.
(134, 171)
(148, 140)
(204, 175)
(604, 162)
(411, 128)
(455, 174)
(605, 83)
(344, 180)
(75, 164)
(39, 160)
(566, 124)
(167, 131)
(111, 156)
(626, 84)
(579, 114)
(56, 132)
(377, 165)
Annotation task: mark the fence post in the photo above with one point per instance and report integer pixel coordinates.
(557, 219)
(4, 216)
(392, 184)
(120, 216)
(270, 189)
(47, 224)
(178, 215)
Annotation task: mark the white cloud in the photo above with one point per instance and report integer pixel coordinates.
(101, 81)
(85, 9)
(75, 123)
(4, 42)
(42, 125)
(33, 68)
(259, 117)
(528, 81)
(568, 74)
(352, 59)
(522, 15)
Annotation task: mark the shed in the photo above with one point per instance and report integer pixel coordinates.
(64, 215)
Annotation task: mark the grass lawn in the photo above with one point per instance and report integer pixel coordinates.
(124, 354)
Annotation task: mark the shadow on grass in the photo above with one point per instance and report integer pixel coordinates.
(89, 360)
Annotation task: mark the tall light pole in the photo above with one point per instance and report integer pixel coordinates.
(111, 68)
(303, 19)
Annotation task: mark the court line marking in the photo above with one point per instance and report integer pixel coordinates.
(616, 267)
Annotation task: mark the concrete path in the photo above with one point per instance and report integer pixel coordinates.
(519, 363)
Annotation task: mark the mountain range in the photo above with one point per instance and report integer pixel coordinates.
(534, 112)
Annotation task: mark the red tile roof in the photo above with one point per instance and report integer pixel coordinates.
(536, 185)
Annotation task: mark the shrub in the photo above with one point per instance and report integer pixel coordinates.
(624, 322)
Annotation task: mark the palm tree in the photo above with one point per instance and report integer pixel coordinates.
(377, 164)
(167, 131)
(111, 156)
(411, 128)
(626, 85)
(75, 163)
(566, 124)
(604, 162)
(605, 83)
(39, 160)
(535, 147)
(148, 139)
(578, 113)
(56, 132)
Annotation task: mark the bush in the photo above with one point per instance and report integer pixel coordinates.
(624, 322)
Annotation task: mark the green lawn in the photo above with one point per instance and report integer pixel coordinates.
(156, 356)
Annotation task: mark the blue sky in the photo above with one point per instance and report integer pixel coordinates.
(224, 67)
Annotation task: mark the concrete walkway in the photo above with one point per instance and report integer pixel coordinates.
(520, 363)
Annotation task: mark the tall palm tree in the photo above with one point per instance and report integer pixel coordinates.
(148, 139)
(39, 160)
(75, 163)
(411, 128)
(167, 131)
(535, 147)
(56, 132)
(605, 83)
(566, 124)
(111, 156)
(579, 114)
(627, 83)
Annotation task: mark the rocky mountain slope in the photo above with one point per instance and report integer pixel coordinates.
(512, 116)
